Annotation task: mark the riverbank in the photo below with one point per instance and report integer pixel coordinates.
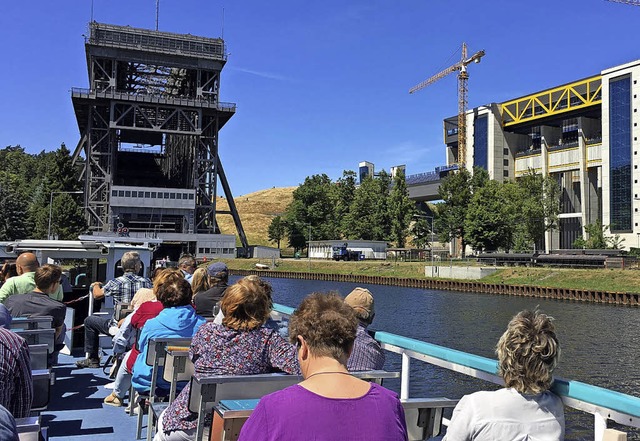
(599, 285)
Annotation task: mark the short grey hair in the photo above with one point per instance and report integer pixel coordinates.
(131, 261)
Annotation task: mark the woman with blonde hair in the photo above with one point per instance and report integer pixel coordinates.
(329, 404)
(528, 353)
(241, 345)
(199, 281)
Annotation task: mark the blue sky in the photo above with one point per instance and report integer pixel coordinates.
(320, 86)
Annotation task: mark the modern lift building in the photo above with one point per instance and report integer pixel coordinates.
(584, 134)
(149, 125)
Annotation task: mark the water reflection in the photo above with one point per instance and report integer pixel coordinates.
(598, 342)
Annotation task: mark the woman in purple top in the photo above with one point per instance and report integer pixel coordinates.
(240, 346)
(329, 404)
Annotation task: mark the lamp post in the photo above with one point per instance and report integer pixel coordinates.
(51, 207)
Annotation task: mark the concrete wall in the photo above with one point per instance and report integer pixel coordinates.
(458, 272)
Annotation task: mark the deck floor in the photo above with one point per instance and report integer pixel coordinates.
(76, 410)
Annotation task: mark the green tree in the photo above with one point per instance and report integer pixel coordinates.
(277, 230)
(597, 238)
(67, 220)
(456, 191)
(421, 233)
(13, 211)
(539, 199)
(491, 217)
(343, 195)
(401, 210)
(312, 209)
(364, 219)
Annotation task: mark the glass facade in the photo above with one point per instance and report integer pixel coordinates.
(480, 141)
(620, 190)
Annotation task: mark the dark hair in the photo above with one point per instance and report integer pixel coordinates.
(8, 270)
(174, 290)
(46, 276)
(246, 305)
(327, 324)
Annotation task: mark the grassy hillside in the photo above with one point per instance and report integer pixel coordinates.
(256, 212)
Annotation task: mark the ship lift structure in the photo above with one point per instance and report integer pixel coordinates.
(149, 125)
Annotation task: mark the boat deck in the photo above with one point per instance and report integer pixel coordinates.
(76, 410)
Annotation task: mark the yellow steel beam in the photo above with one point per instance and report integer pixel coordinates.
(562, 99)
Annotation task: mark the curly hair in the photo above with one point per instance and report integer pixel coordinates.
(246, 305)
(528, 352)
(172, 289)
(327, 324)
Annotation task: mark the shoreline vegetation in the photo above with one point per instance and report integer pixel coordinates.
(606, 280)
(258, 209)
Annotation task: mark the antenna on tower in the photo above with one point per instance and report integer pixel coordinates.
(157, 13)
(91, 11)
(222, 36)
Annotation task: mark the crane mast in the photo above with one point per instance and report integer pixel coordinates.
(626, 2)
(463, 78)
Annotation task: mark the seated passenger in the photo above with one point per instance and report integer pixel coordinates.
(8, 429)
(146, 310)
(16, 384)
(239, 346)
(367, 354)
(527, 355)
(5, 317)
(199, 282)
(206, 301)
(177, 319)
(329, 404)
(38, 303)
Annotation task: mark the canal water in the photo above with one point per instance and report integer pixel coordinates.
(599, 343)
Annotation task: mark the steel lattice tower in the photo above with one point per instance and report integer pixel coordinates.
(150, 120)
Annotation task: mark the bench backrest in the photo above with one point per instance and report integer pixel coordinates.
(177, 368)
(423, 416)
(41, 389)
(156, 355)
(38, 355)
(38, 336)
(207, 391)
(44, 322)
(28, 428)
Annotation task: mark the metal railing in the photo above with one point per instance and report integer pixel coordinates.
(152, 98)
(603, 404)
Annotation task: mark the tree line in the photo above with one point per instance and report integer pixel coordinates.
(484, 214)
(378, 209)
(34, 195)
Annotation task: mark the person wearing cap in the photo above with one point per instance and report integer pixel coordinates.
(367, 354)
(205, 302)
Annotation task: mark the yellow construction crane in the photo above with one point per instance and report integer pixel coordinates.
(626, 2)
(463, 78)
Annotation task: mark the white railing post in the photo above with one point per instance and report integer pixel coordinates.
(404, 379)
(599, 426)
(90, 311)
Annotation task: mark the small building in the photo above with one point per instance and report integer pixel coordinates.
(262, 252)
(372, 249)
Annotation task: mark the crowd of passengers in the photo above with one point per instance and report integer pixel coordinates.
(232, 334)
